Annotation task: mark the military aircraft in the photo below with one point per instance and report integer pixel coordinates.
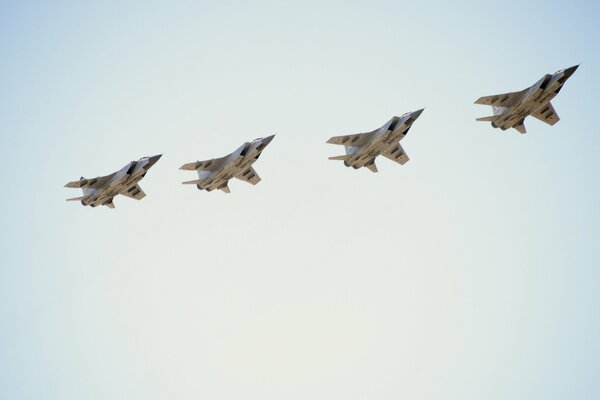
(216, 173)
(100, 191)
(363, 148)
(511, 109)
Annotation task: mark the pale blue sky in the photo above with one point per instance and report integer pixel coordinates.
(471, 272)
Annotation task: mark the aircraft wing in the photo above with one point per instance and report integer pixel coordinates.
(134, 192)
(207, 165)
(92, 183)
(249, 175)
(500, 100)
(547, 114)
(351, 140)
(396, 153)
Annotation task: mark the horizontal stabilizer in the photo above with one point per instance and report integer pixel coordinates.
(195, 182)
(340, 158)
(76, 198)
(372, 166)
(491, 118)
(225, 188)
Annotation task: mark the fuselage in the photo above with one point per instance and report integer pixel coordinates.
(118, 182)
(232, 165)
(380, 141)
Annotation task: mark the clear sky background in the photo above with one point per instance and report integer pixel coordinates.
(471, 272)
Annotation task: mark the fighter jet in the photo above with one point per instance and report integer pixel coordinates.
(511, 109)
(362, 149)
(216, 173)
(100, 191)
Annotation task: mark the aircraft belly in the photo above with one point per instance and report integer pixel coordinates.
(243, 163)
(216, 183)
(98, 201)
(513, 118)
(366, 155)
(227, 174)
(353, 161)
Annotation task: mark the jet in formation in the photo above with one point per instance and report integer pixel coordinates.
(363, 148)
(216, 173)
(101, 191)
(511, 109)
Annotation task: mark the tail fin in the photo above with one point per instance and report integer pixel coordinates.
(372, 166)
(109, 203)
(520, 127)
(225, 188)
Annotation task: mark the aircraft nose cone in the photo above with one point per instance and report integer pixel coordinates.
(152, 160)
(415, 114)
(570, 71)
(267, 139)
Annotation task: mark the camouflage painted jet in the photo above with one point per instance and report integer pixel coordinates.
(216, 173)
(511, 109)
(363, 148)
(100, 191)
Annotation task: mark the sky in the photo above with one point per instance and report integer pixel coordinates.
(470, 272)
